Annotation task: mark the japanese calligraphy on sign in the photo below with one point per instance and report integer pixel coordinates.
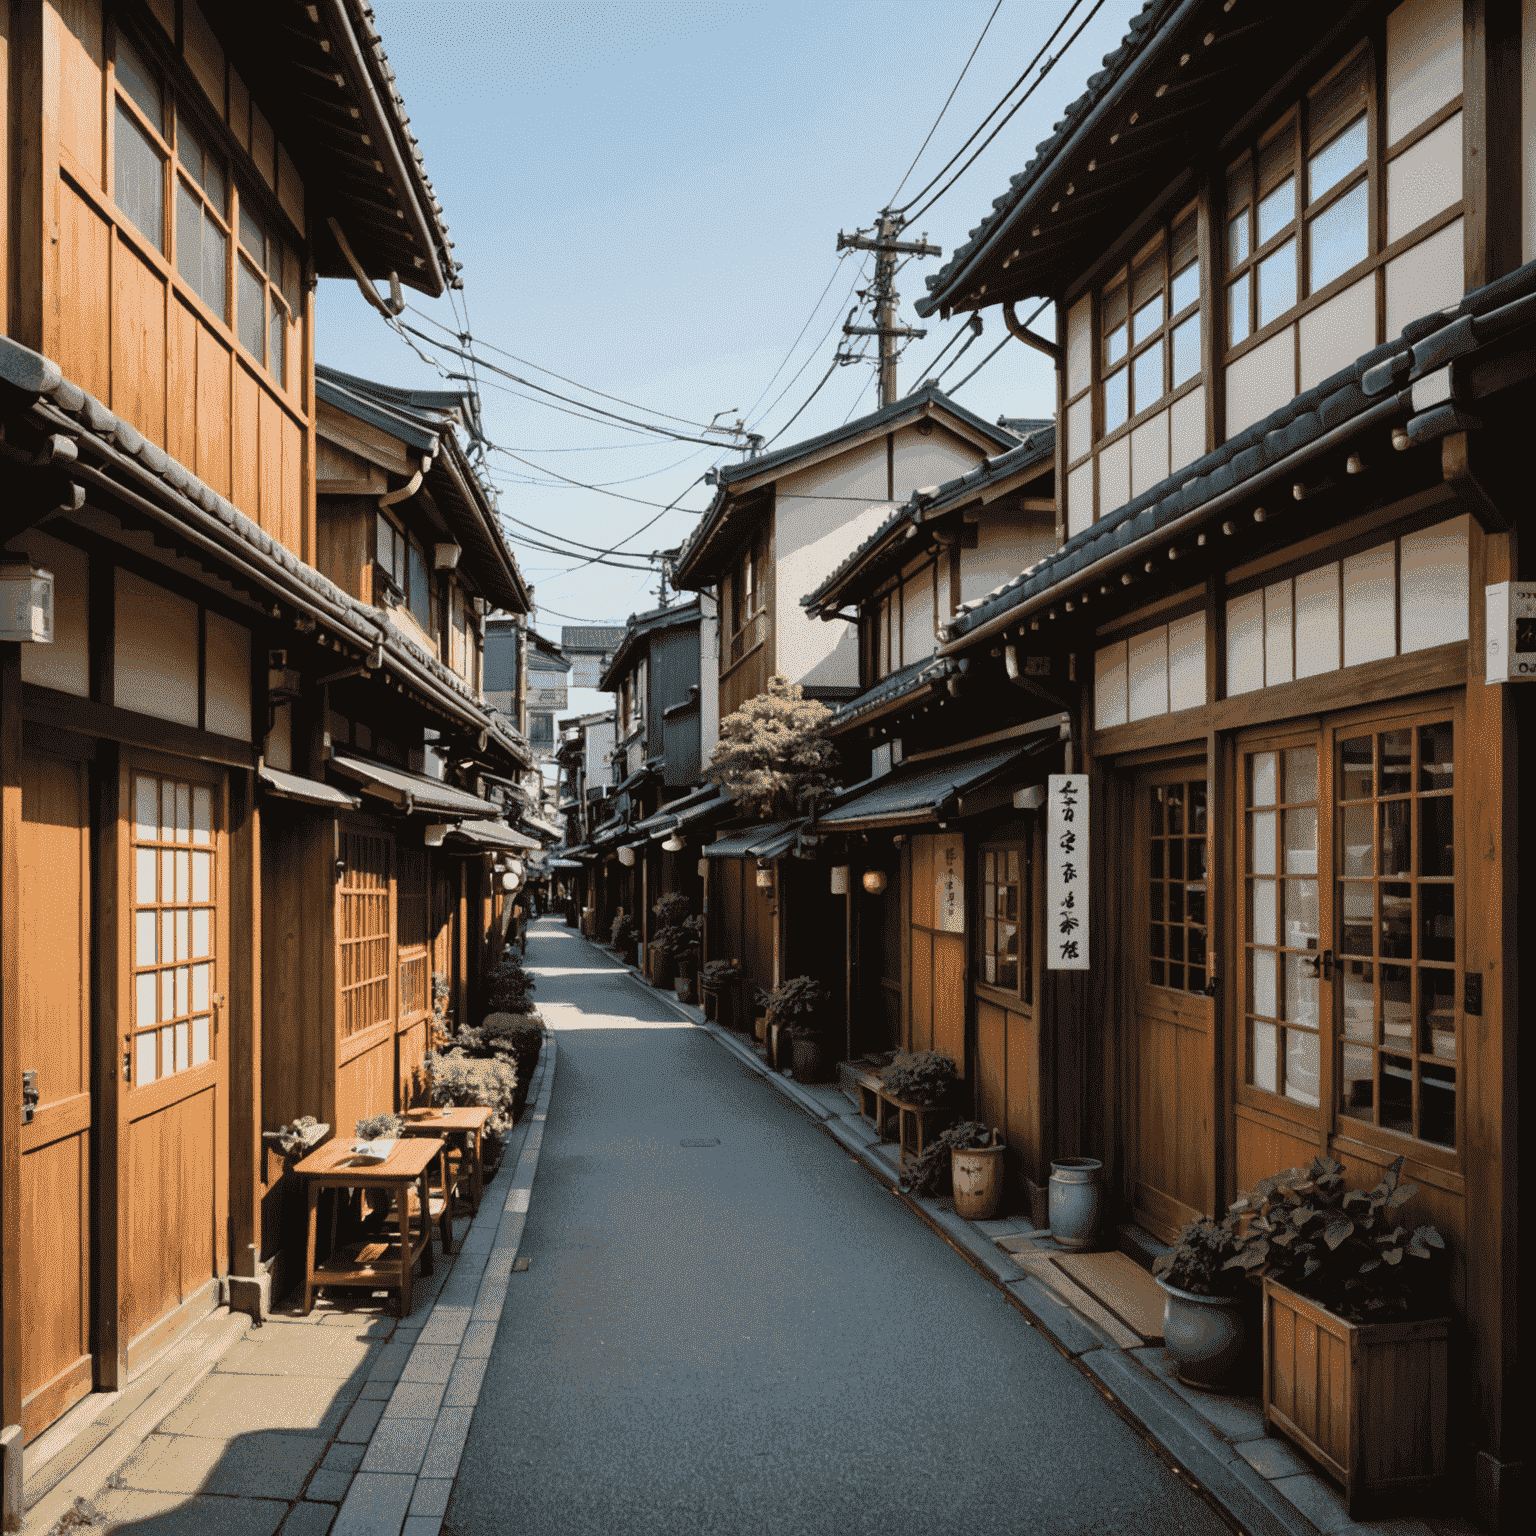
(1066, 872)
(949, 884)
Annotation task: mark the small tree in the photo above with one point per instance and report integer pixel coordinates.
(772, 756)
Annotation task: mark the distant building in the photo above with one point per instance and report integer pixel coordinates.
(546, 692)
(589, 648)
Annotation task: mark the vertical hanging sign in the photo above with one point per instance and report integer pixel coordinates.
(1066, 873)
(949, 884)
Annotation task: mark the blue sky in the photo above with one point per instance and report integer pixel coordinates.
(646, 198)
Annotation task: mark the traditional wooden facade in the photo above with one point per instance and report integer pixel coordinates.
(1290, 389)
(175, 180)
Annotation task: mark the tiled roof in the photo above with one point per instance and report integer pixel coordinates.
(1037, 447)
(643, 624)
(911, 679)
(1378, 385)
(117, 456)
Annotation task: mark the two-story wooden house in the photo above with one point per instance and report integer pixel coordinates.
(1285, 244)
(175, 179)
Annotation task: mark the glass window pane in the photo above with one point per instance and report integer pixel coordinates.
(1336, 238)
(1438, 941)
(189, 237)
(1300, 775)
(200, 930)
(1301, 842)
(1116, 400)
(1186, 350)
(1359, 1000)
(168, 994)
(182, 1062)
(1396, 763)
(199, 1041)
(1115, 345)
(1237, 239)
(1301, 1057)
(202, 813)
(1396, 921)
(1437, 1103)
(252, 237)
(419, 588)
(277, 350)
(1277, 210)
(1437, 838)
(183, 950)
(1301, 988)
(250, 301)
(1301, 914)
(1264, 788)
(1237, 311)
(1331, 164)
(1437, 1005)
(144, 1059)
(1396, 842)
(1264, 914)
(1437, 757)
(1147, 386)
(200, 982)
(183, 813)
(183, 875)
(215, 258)
(1147, 319)
(1186, 287)
(1277, 283)
(138, 179)
(144, 876)
(202, 868)
(1264, 1039)
(1357, 930)
(183, 991)
(146, 808)
(1355, 763)
(138, 82)
(146, 996)
(144, 938)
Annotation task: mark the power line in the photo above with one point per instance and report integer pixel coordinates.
(817, 348)
(550, 549)
(1050, 64)
(788, 424)
(998, 348)
(643, 526)
(582, 485)
(947, 100)
(539, 368)
(796, 342)
(933, 362)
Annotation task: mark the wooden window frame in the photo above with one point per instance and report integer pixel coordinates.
(746, 619)
(1021, 997)
(1373, 171)
(180, 96)
(1186, 776)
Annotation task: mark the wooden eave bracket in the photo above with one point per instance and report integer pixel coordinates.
(1464, 467)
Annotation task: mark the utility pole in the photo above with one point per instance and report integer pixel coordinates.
(887, 247)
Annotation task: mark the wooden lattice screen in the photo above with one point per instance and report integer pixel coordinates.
(363, 933)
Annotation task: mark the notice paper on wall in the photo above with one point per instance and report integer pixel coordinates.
(1066, 872)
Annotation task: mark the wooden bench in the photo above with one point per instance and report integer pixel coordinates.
(876, 1102)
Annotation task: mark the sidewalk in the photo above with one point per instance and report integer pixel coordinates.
(347, 1421)
(1263, 1484)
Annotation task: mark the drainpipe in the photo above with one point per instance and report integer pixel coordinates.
(411, 486)
(1029, 685)
(389, 308)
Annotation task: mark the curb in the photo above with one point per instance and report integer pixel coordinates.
(412, 1459)
(1244, 1497)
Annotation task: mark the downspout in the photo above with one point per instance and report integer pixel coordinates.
(411, 486)
(1029, 685)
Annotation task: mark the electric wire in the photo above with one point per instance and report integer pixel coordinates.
(933, 362)
(969, 342)
(815, 310)
(1044, 305)
(641, 529)
(947, 100)
(816, 349)
(1050, 64)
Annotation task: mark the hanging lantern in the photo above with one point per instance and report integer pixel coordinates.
(674, 844)
(26, 603)
(765, 879)
(626, 857)
(874, 881)
(839, 879)
(703, 868)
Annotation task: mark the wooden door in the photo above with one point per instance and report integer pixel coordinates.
(55, 1031)
(937, 961)
(1173, 1145)
(172, 1179)
(366, 1070)
(414, 984)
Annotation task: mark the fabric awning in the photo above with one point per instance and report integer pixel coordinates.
(492, 834)
(764, 842)
(291, 786)
(411, 791)
(930, 791)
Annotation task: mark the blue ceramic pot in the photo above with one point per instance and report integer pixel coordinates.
(1077, 1201)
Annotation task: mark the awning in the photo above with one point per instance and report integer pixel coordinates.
(492, 834)
(936, 790)
(694, 810)
(564, 864)
(764, 842)
(290, 786)
(411, 791)
(539, 825)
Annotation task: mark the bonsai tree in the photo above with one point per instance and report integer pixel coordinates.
(1344, 1248)
(716, 973)
(772, 756)
(797, 1004)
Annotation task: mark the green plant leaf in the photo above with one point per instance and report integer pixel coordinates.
(1393, 1256)
(1427, 1234)
(1337, 1231)
(1310, 1268)
(1401, 1195)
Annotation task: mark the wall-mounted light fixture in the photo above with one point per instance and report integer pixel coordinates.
(674, 844)
(839, 879)
(874, 881)
(703, 868)
(434, 833)
(26, 603)
(765, 879)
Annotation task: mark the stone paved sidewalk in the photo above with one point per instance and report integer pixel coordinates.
(347, 1421)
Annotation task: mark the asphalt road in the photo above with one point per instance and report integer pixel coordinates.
(752, 1335)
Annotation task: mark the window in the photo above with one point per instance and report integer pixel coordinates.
(404, 566)
(418, 587)
(748, 600)
(202, 215)
(363, 934)
(1006, 927)
(138, 160)
(174, 896)
(1177, 916)
(267, 293)
(1397, 929)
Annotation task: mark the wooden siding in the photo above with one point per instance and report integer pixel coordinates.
(124, 325)
(937, 961)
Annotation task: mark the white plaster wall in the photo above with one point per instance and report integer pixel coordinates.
(709, 670)
(600, 741)
(1006, 542)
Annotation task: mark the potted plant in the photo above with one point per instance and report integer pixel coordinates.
(1206, 1306)
(924, 1078)
(1356, 1336)
(932, 1172)
(668, 939)
(796, 1014)
(976, 1174)
(625, 936)
(717, 981)
(685, 960)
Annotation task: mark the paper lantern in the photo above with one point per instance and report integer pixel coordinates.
(626, 857)
(26, 604)
(874, 881)
(839, 879)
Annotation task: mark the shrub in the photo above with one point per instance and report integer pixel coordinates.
(930, 1174)
(522, 1039)
(509, 986)
(458, 1080)
(772, 755)
(676, 931)
(922, 1077)
(623, 934)
(718, 972)
(797, 1004)
(372, 1127)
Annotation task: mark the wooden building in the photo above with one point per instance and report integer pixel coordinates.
(778, 524)
(176, 179)
(1285, 245)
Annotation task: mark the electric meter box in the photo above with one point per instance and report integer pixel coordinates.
(1511, 631)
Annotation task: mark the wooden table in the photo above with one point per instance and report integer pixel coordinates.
(438, 1122)
(378, 1262)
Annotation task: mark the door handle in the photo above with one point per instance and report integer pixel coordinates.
(1322, 965)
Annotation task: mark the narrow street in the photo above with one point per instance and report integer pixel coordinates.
(749, 1333)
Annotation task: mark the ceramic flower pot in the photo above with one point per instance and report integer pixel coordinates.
(977, 1176)
(1206, 1336)
(810, 1058)
(1077, 1201)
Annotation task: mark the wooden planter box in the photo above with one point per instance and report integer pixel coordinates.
(1366, 1400)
